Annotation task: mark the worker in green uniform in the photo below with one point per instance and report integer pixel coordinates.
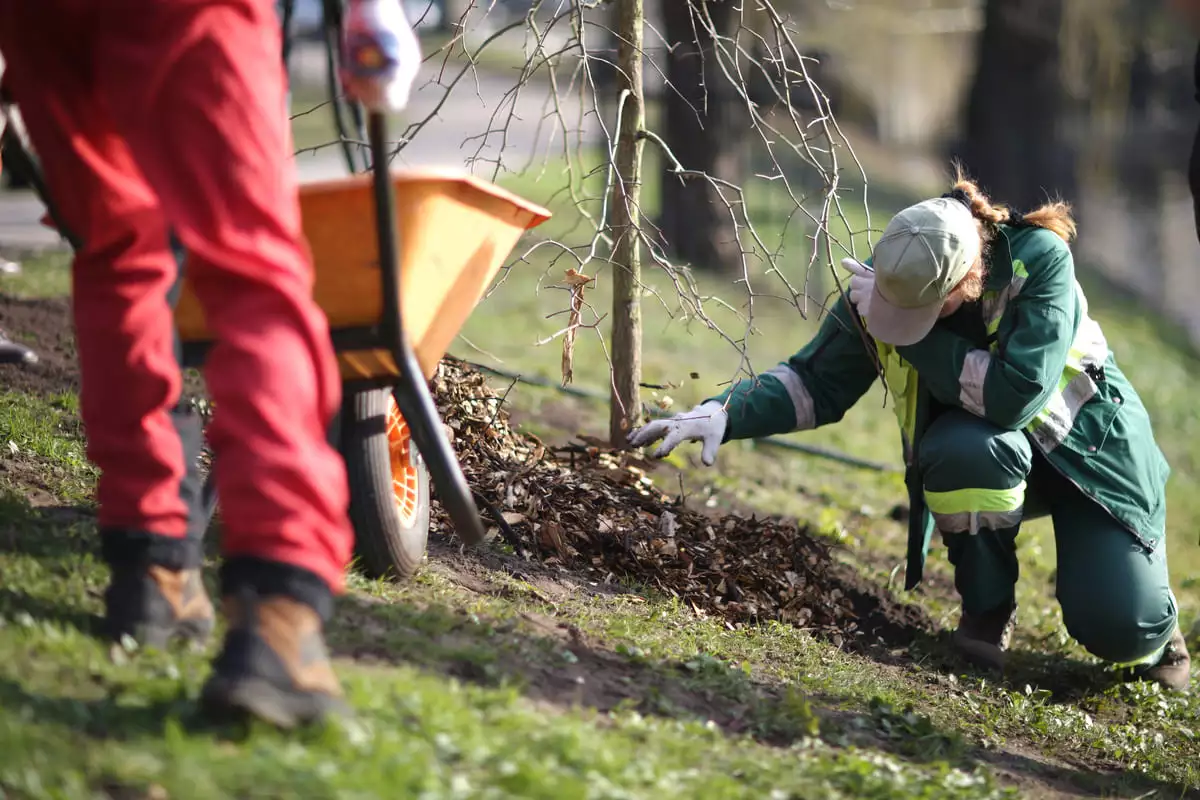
(1011, 407)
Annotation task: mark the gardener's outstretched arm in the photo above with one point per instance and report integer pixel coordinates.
(1010, 385)
(815, 387)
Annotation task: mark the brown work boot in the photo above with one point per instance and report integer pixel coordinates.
(274, 664)
(984, 638)
(1173, 670)
(156, 605)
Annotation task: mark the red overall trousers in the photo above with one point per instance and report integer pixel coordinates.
(149, 114)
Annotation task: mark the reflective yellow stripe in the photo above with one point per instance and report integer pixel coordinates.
(1146, 661)
(976, 500)
(995, 303)
(902, 385)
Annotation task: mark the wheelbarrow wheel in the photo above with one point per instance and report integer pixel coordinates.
(389, 486)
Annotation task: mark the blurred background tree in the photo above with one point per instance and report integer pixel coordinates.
(1088, 100)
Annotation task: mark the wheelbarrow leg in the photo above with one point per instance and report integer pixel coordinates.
(411, 393)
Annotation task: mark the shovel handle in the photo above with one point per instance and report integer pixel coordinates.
(411, 392)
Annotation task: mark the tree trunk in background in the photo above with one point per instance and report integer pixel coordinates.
(1013, 140)
(1140, 167)
(703, 125)
(625, 407)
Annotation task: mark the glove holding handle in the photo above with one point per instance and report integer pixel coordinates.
(380, 55)
(704, 423)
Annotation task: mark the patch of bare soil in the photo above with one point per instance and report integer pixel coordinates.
(45, 326)
(595, 510)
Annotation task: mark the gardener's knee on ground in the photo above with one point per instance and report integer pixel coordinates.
(973, 472)
(1122, 621)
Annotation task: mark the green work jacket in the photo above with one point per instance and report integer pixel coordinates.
(1025, 357)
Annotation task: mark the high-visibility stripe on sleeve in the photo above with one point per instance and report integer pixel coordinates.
(802, 402)
(1076, 387)
(970, 380)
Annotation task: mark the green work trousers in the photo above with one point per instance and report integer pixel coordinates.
(981, 481)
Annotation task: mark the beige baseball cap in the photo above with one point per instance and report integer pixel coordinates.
(924, 252)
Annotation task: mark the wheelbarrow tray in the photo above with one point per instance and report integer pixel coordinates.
(455, 232)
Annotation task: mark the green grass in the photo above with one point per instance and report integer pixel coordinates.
(47, 275)
(497, 680)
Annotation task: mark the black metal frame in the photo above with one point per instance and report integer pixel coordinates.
(409, 388)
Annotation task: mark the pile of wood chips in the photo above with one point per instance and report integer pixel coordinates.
(593, 510)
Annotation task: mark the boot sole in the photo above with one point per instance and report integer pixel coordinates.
(235, 697)
(194, 633)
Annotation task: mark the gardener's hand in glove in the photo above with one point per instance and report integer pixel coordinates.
(704, 423)
(380, 54)
(862, 284)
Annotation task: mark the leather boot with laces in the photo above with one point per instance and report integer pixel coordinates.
(984, 638)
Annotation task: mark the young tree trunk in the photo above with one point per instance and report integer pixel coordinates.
(625, 406)
(1014, 139)
(702, 114)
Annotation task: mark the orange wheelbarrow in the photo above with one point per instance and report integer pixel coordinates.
(454, 232)
(396, 280)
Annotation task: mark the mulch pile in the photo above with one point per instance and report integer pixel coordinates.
(587, 508)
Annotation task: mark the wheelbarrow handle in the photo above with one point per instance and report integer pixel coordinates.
(411, 392)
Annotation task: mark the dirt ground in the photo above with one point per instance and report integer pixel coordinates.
(44, 325)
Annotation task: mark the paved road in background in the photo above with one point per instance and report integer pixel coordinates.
(463, 128)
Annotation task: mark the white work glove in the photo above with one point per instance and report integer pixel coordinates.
(704, 423)
(862, 284)
(380, 54)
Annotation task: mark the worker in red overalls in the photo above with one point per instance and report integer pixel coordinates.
(149, 116)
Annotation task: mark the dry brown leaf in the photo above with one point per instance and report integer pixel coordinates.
(576, 282)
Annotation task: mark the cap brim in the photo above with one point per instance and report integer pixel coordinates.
(900, 327)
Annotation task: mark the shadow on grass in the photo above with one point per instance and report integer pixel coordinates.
(116, 718)
(46, 532)
(14, 602)
(550, 662)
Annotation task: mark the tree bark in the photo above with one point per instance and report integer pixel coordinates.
(702, 127)
(625, 405)
(1014, 142)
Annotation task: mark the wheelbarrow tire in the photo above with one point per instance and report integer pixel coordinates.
(389, 511)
